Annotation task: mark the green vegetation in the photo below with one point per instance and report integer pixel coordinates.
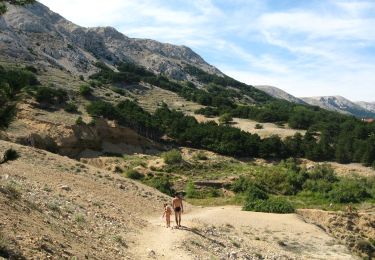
(201, 156)
(12, 83)
(330, 135)
(9, 155)
(162, 183)
(134, 174)
(3, 8)
(172, 157)
(85, 90)
(271, 205)
(225, 119)
(71, 107)
(50, 96)
(11, 189)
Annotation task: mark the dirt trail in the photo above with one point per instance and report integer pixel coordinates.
(229, 233)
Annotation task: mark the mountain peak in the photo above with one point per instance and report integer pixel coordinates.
(33, 33)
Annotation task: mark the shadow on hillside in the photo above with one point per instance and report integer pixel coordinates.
(196, 232)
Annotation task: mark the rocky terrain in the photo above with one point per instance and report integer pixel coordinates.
(279, 93)
(334, 103)
(339, 104)
(37, 35)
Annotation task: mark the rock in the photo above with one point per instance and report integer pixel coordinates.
(233, 255)
(121, 186)
(151, 253)
(66, 188)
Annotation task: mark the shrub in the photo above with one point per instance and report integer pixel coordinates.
(225, 119)
(3, 8)
(11, 189)
(258, 126)
(85, 90)
(190, 190)
(200, 156)
(163, 185)
(134, 175)
(271, 205)
(79, 121)
(349, 191)
(71, 107)
(255, 193)
(9, 155)
(172, 157)
(81, 77)
(49, 95)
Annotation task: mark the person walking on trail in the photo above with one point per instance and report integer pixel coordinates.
(167, 214)
(178, 208)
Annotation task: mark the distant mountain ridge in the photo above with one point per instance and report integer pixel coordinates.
(340, 104)
(279, 93)
(334, 103)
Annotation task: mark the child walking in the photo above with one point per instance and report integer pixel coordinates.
(167, 214)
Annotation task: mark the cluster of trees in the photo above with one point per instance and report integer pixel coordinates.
(12, 83)
(129, 114)
(329, 135)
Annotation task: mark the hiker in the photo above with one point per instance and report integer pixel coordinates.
(167, 214)
(178, 208)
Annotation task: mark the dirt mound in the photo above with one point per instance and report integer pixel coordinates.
(352, 229)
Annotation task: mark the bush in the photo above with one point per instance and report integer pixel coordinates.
(49, 95)
(172, 157)
(225, 119)
(79, 121)
(258, 126)
(255, 193)
(349, 191)
(163, 185)
(85, 90)
(134, 175)
(190, 190)
(271, 205)
(9, 155)
(200, 156)
(71, 107)
(3, 8)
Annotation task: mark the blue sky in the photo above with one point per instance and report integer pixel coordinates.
(307, 48)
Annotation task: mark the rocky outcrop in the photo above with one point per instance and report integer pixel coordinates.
(36, 34)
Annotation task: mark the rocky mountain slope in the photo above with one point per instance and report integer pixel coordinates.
(370, 106)
(279, 93)
(339, 104)
(35, 34)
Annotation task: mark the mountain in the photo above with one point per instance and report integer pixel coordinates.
(39, 36)
(279, 93)
(339, 104)
(370, 106)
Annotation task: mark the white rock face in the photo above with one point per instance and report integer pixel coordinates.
(339, 104)
(370, 106)
(36, 34)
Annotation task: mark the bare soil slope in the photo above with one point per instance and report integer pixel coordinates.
(52, 206)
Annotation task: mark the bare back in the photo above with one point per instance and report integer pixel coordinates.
(176, 203)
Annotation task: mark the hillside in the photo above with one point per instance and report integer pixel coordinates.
(98, 130)
(370, 106)
(37, 35)
(280, 94)
(64, 209)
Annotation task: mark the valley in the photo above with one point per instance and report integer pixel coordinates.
(98, 130)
